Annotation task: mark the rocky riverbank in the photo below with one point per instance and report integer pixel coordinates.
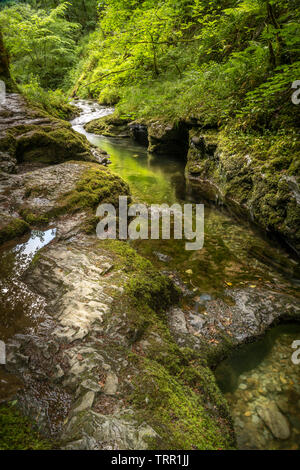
(117, 359)
(255, 178)
(258, 180)
(32, 140)
(100, 370)
(104, 352)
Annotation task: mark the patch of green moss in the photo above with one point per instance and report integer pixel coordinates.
(145, 285)
(97, 185)
(34, 219)
(17, 433)
(174, 390)
(176, 411)
(111, 126)
(47, 145)
(36, 191)
(15, 228)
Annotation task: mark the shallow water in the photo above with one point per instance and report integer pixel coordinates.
(20, 309)
(234, 255)
(263, 374)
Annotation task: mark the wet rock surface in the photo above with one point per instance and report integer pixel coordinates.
(109, 126)
(29, 136)
(37, 197)
(236, 179)
(274, 420)
(68, 354)
(139, 132)
(246, 314)
(168, 138)
(78, 370)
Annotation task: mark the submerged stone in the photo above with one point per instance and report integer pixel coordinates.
(275, 420)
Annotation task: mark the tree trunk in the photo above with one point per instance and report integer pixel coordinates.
(4, 66)
(283, 58)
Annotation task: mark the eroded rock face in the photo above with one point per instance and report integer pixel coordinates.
(29, 135)
(69, 350)
(139, 132)
(168, 139)
(236, 179)
(96, 375)
(225, 325)
(37, 197)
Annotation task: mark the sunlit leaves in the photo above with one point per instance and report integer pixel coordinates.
(40, 44)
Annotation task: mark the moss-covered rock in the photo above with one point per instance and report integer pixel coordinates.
(30, 135)
(17, 432)
(11, 228)
(60, 190)
(253, 175)
(42, 144)
(110, 126)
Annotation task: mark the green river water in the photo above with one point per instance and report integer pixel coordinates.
(234, 255)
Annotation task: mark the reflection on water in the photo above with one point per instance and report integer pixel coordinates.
(262, 387)
(234, 255)
(152, 179)
(19, 308)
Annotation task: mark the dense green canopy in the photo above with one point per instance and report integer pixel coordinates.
(216, 60)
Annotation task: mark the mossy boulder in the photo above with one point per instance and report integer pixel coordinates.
(30, 135)
(60, 190)
(255, 176)
(110, 126)
(11, 228)
(45, 145)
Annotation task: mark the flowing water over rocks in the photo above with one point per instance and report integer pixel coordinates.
(89, 367)
(236, 288)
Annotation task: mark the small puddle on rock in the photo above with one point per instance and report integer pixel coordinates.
(20, 309)
(262, 387)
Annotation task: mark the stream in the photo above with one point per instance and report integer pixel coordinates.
(235, 254)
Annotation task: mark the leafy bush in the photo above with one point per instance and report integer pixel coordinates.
(55, 102)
